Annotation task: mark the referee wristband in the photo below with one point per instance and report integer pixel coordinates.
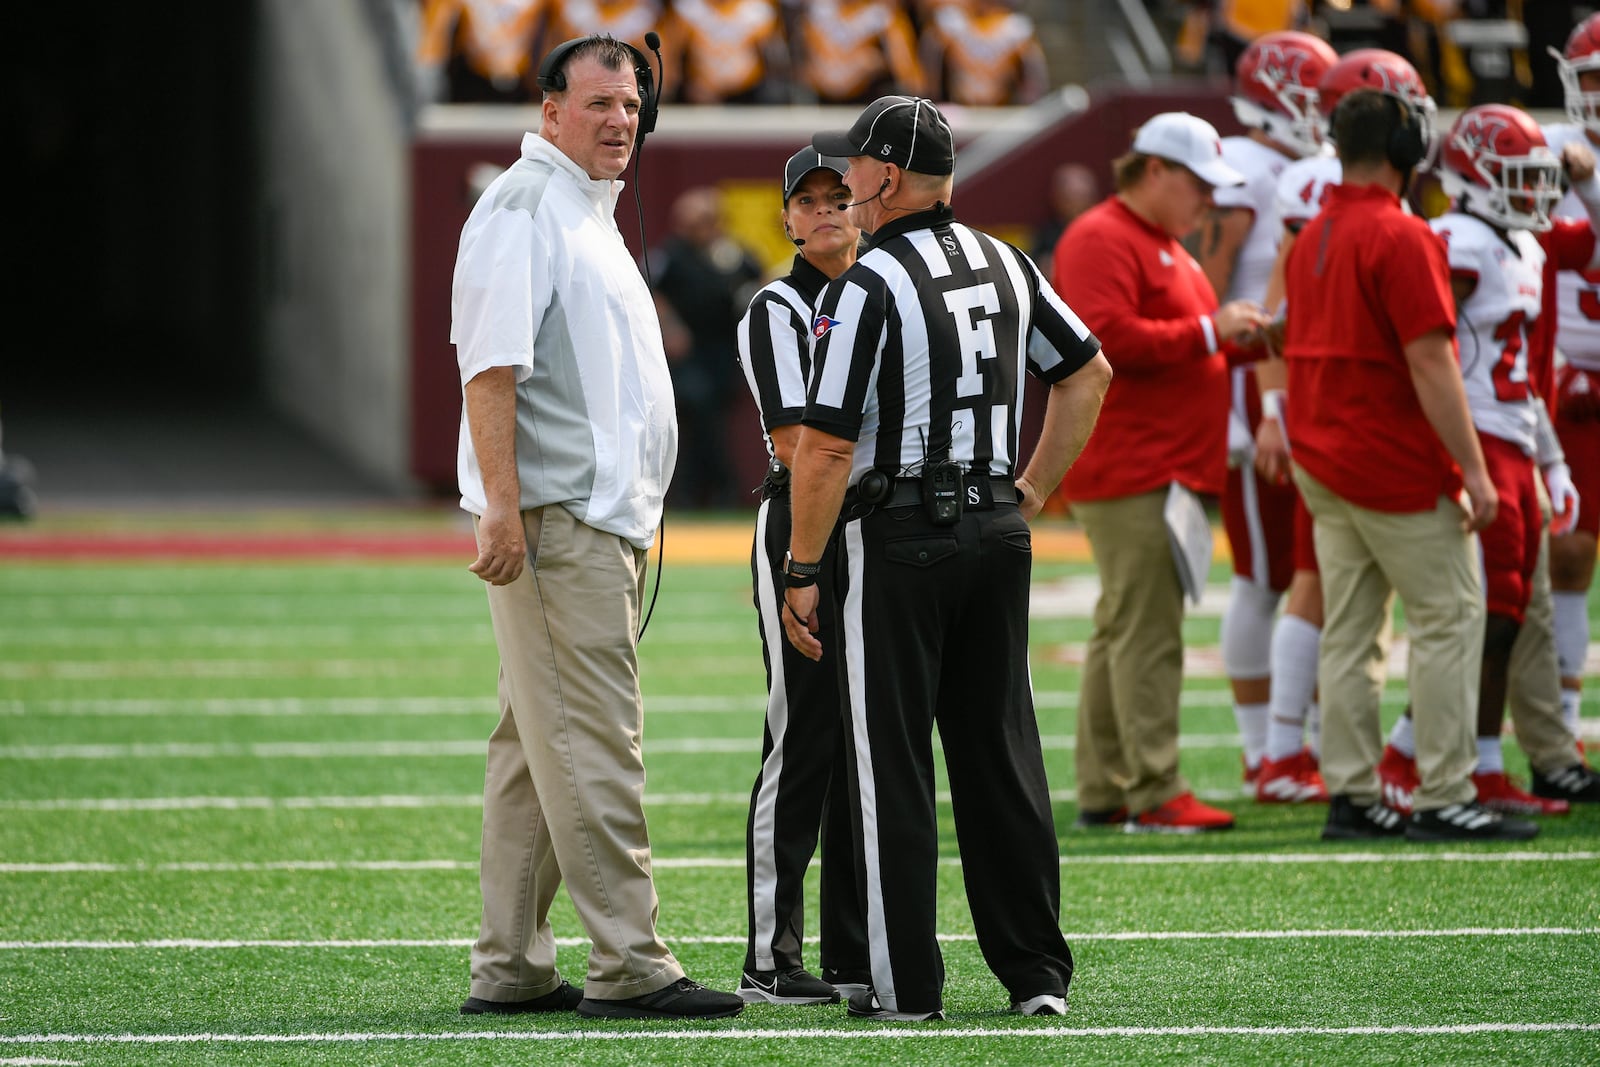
(797, 575)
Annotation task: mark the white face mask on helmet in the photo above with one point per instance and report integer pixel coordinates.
(1582, 54)
(1495, 160)
(1276, 80)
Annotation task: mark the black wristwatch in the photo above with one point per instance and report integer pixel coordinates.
(797, 575)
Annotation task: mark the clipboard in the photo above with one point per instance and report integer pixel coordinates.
(1189, 533)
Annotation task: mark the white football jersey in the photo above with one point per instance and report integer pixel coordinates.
(1303, 186)
(1577, 294)
(1261, 166)
(1492, 325)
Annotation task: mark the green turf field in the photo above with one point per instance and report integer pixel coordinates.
(239, 824)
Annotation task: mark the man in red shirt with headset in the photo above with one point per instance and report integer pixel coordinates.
(1383, 446)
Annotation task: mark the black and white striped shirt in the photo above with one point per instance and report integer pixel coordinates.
(918, 350)
(775, 345)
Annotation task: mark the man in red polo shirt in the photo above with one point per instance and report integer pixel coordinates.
(1383, 445)
(1164, 421)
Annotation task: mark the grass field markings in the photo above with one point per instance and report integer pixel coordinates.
(221, 669)
(855, 1032)
(228, 945)
(679, 746)
(473, 704)
(701, 863)
(35, 1061)
(255, 635)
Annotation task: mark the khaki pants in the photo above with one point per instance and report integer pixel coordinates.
(1535, 678)
(1365, 558)
(1133, 672)
(564, 784)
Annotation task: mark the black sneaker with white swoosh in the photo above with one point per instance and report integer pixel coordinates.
(793, 986)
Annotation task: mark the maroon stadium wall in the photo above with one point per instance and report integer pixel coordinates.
(1008, 194)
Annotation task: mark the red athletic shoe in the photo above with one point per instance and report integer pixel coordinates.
(1183, 814)
(1499, 793)
(1292, 780)
(1398, 773)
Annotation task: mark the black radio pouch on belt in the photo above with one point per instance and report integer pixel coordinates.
(941, 493)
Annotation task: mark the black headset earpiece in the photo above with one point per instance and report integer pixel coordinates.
(1407, 145)
(552, 77)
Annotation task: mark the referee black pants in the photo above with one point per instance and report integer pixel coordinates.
(934, 631)
(802, 786)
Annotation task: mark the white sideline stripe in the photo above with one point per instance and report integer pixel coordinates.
(464, 800)
(688, 863)
(475, 704)
(689, 746)
(890, 1032)
(739, 939)
(35, 1061)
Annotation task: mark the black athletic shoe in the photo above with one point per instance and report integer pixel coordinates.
(1577, 784)
(1349, 822)
(794, 986)
(563, 997)
(683, 999)
(866, 1006)
(1467, 822)
(1088, 819)
(848, 982)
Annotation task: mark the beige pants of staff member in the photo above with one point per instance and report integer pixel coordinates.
(564, 784)
(1127, 748)
(1365, 558)
(1534, 682)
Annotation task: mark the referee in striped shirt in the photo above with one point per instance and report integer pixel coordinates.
(910, 441)
(802, 783)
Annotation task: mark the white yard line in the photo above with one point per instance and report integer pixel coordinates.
(737, 862)
(690, 746)
(856, 1032)
(224, 945)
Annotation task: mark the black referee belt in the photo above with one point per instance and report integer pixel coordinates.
(979, 492)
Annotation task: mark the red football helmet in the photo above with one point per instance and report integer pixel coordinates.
(1582, 55)
(1496, 160)
(1376, 68)
(1277, 78)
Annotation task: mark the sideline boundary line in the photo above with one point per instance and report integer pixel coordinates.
(868, 1032)
(737, 862)
(732, 939)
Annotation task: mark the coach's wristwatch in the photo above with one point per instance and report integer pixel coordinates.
(797, 575)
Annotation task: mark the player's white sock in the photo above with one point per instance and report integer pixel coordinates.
(1246, 641)
(1490, 759)
(1571, 709)
(1252, 723)
(1294, 680)
(1572, 631)
(1403, 738)
(1314, 729)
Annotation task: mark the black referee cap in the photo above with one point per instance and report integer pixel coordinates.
(907, 131)
(804, 162)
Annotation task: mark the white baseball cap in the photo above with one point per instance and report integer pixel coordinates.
(1189, 140)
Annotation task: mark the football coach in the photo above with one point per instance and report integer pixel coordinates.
(910, 438)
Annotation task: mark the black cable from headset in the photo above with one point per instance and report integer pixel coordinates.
(661, 555)
(644, 257)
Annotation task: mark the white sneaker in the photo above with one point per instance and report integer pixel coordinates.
(1043, 1004)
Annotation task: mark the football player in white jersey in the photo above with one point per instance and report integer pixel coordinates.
(1297, 635)
(1577, 323)
(1504, 180)
(1276, 100)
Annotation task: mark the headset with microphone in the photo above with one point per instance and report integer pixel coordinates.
(552, 77)
(870, 199)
